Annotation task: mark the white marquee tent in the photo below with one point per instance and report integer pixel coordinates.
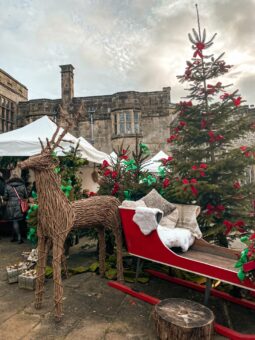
(150, 165)
(24, 141)
(153, 164)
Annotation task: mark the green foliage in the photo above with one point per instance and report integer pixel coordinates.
(10, 162)
(206, 168)
(247, 255)
(7, 163)
(32, 222)
(69, 167)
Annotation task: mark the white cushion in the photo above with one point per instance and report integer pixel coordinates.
(177, 237)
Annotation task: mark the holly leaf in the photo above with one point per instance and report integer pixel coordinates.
(79, 270)
(241, 275)
(238, 264)
(111, 274)
(94, 266)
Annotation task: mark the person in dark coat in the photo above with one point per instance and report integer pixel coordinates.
(12, 210)
(2, 190)
(2, 184)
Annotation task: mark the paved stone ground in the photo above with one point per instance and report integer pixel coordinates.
(93, 310)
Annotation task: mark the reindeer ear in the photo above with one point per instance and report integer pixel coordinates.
(42, 146)
(48, 143)
(78, 113)
(62, 113)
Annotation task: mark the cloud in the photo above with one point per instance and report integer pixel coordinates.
(120, 45)
(246, 86)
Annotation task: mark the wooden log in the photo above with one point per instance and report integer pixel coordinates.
(183, 319)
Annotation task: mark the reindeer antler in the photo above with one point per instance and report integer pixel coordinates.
(63, 114)
(52, 144)
(54, 135)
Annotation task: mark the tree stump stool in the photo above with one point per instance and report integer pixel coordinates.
(183, 319)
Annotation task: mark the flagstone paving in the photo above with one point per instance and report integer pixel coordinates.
(92, 310)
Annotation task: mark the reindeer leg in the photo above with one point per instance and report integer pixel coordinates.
(118, 241)
(40, 274)
(58, 249)
(101, 241)
(64, 265)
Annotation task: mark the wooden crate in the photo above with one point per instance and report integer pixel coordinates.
(14, 271)
(27, 279)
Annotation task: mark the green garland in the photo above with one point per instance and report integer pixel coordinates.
(244, 258)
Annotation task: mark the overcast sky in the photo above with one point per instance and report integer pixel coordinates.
(120, 45)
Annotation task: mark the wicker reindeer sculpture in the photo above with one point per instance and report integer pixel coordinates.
(57, 216)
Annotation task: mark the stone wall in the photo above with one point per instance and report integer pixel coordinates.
(106, 120)
(33, 109)
(11, 89)
(11, 92)
(95, 122)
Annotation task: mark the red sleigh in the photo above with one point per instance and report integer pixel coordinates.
(202, 258)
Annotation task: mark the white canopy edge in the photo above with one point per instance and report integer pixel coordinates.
(25, 141)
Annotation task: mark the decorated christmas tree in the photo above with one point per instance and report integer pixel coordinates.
(208, 165)
(125, 177)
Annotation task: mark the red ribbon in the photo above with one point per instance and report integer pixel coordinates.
(225, 96)
(190, 183)
(182, 123)
(185, 104)
(91, 193)
(116, 188)
(114, 174)
(165, 161)
(172, 138)
(203, 123)
(166, 183)
(200, 46)
(124, 154)
(213, 88)
(202, 166)
(105, 164)
(236, 185)
(107, 172)
(229, 226)
(214, 138)
(247, 153)
(218, 209)
(237, 101)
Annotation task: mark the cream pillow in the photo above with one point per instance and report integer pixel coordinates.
(170, 220)
(188, 218)
(154, 200)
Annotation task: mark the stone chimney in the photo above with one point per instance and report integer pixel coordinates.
(167, 95)
(67, 84)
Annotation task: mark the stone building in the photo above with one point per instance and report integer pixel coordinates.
(105, 120)
(11, 92)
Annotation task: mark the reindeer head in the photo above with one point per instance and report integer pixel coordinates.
(42, 161)
(46, 160)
